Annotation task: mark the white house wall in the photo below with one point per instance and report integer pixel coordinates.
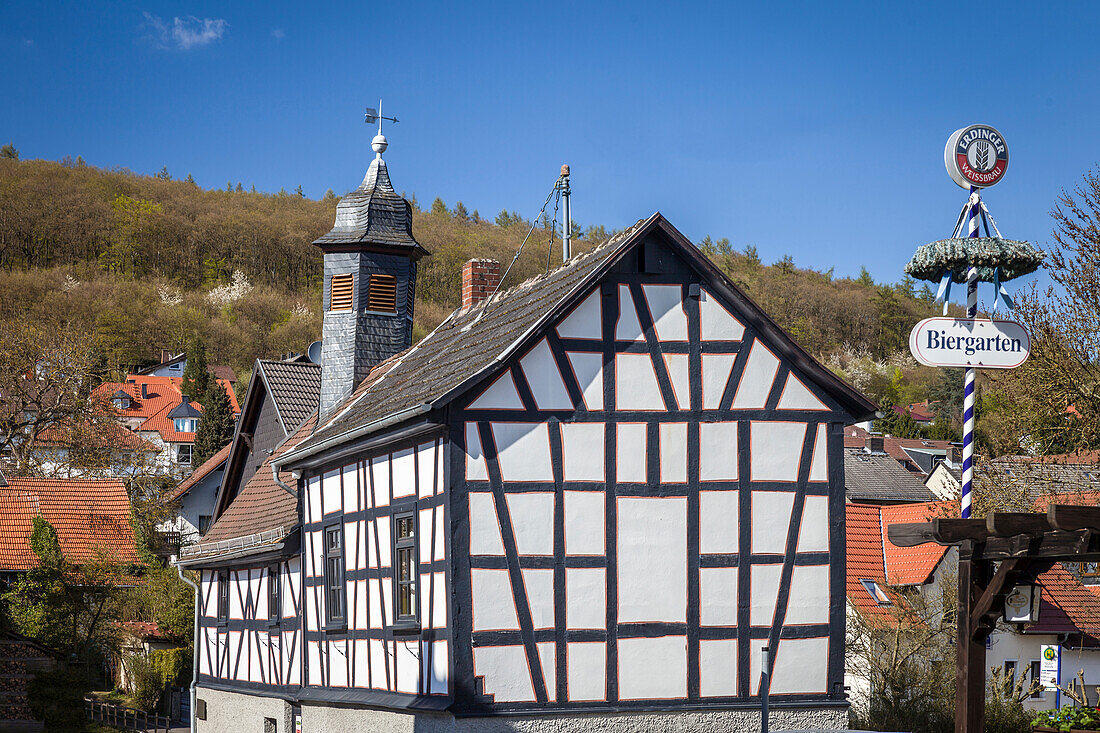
(364, 655)
(248, 649)
(644, 498)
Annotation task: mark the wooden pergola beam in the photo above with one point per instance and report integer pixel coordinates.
(1072, 518)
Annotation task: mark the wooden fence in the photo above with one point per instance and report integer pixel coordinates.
(123, 717)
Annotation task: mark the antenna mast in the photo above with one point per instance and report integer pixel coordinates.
(567, 225)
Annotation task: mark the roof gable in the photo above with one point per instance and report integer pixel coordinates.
(470, 347)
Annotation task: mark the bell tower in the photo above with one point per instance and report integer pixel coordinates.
(370, 281)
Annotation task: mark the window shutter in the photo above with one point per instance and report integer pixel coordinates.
(341, 292)
(382, 295)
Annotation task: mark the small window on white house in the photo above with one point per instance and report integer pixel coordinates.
(183, 454)
(1034, 677)
(404, 552)
(274, 608)
(223, 596)
(335, 593)
(1008, 675)
(185, 424)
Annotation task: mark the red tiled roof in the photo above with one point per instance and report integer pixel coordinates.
(864, 559)
(162, 394)
(89, 515)
(912, 565)
(1079, 607)
(211, 464)
(871, 556)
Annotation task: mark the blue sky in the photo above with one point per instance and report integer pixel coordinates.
(810, 129)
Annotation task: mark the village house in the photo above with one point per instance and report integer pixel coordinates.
(587, 500)
(883, 578)
(917, 455)
(175, 366)
(155, 409)
(91, 518)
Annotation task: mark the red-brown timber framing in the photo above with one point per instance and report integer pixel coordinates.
(996, 553)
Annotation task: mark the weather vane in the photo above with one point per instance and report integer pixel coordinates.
(375, 115)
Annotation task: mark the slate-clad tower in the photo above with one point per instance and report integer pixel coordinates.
(370, 279)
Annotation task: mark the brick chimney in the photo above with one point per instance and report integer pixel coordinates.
(876, 444)
(479, 279)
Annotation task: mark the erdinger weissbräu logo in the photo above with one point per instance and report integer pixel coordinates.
(976, 156)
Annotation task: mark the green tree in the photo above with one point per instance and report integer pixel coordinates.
(865, 277)
(163, 175)
(135, 222)
(216, 425)
(196, 377)
(190, 180)
(9, 152)
(299, 191)
(460, 213)
(438, 207)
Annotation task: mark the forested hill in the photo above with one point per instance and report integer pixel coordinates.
(147, 262)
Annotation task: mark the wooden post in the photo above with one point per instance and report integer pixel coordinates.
(970, 652)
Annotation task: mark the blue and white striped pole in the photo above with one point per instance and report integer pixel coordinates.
(971, 372)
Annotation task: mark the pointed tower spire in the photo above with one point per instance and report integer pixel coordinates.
(370, 279)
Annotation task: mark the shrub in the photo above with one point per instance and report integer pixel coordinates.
(147, 685)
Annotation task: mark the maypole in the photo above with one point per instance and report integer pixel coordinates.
(976, 157)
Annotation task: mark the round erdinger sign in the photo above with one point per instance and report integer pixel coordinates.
(976, 156)
(965, 342)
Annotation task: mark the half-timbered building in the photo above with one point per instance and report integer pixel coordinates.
(592, 497)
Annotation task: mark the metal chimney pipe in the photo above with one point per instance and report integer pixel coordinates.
(568, 226)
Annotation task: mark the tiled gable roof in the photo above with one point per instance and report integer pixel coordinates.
(262, 505)
(162, 395)
(856, 437)
(89, 515)
(912, 565)
(469, 343)
(871, 556)
(295, 388)
(878, 477)
(210, 465)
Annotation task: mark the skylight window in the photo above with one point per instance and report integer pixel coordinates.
(876, 592)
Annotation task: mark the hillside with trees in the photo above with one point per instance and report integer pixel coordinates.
(149, 262)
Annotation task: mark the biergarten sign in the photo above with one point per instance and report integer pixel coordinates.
(969, 342)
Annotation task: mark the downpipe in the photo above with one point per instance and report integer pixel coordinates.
(195, 652)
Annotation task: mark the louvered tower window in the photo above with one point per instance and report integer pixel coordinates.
(342, 287)
(382, 294)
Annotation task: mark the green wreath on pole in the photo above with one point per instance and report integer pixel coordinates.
(995, 259)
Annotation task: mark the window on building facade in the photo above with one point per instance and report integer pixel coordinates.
(185, 424)
(341, 287)
(223, 596)
(382, 293)
(335, 601)
(204, 523)
(183, 453)
(274, 608)
(1034, 677)
(404, 553)
(1008, 674)
(1090, 569)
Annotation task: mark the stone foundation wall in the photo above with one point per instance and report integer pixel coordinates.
(237, 712)
(331, 719)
